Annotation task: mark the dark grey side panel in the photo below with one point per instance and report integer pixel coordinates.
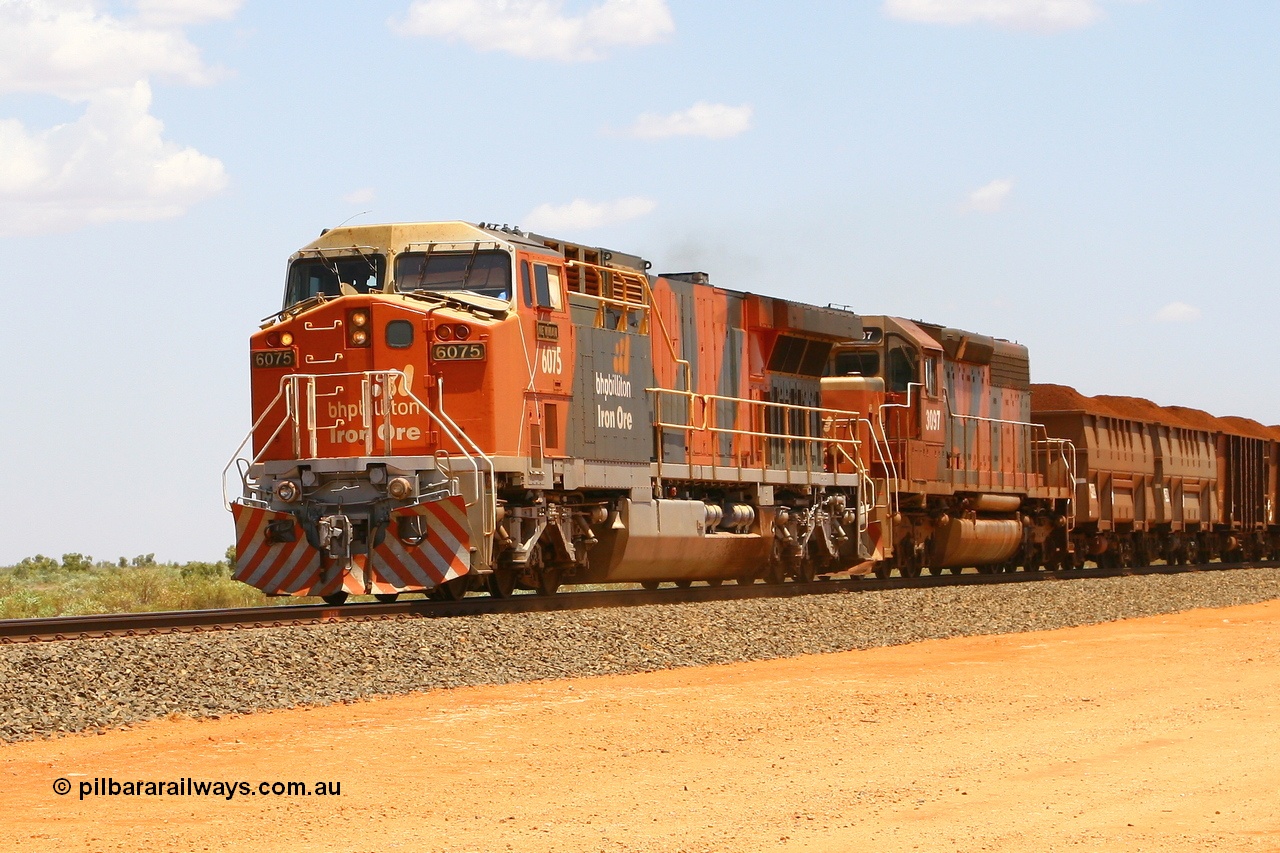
(611, 412)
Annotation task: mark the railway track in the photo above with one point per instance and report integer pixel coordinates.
(57, 628)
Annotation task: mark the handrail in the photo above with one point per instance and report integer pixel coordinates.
(1037, 437)
(675, 356)
(830, 420)
(897, 483)
(624, 307)
(635, 276)
(235, 455)
(296, 386)
(489, 524)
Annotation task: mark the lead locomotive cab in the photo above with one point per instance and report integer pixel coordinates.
(380, 406)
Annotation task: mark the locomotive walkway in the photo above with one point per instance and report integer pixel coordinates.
(168, 622)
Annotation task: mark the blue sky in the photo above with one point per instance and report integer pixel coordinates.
(1094, 178)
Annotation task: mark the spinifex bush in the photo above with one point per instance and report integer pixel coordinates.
(44, 586)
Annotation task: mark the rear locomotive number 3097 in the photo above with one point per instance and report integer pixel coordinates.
(458, 352)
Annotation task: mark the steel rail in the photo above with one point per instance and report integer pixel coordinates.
(54, 628)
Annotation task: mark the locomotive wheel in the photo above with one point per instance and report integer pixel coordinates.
(502, 583)
(453, 590)
(650, 585)
(714, 583)
(804, 572)
(548, 582)
(385, 597)
(684, 584)
(335, 598)
(745, 579)
(882, 570)
(775, 572)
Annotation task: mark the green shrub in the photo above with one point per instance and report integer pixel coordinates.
(76, 563)
(37, 565)
(43, 586)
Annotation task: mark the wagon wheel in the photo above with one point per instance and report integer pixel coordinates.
(548, 581)
(882, 569)
(1141, 557)
(1058, 558)
(502, 583)
(775, 572)
(747, 578)
(804, 571)
(335, 598)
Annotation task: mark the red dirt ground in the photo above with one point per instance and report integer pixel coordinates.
(1158, 734)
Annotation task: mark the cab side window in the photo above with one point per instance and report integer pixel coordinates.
(900, 368)
(545, 289)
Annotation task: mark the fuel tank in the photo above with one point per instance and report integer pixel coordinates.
(975, 542)
(679, 540)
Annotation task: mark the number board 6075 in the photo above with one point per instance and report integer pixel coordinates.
(458, 352)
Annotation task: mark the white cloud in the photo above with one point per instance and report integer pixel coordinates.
(1178, 312)
(184, 12)
(364, 195)
(582, 214)
(714, 121)
(1043, 15)
(112, 164)
(70, 50)
(540, 29)
(991, 197)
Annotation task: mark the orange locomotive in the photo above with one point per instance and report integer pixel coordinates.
(970, 479)
(445, 406)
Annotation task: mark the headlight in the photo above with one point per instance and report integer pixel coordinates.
(286, 338)
(287, 491)
(444, 332)
(357, 328)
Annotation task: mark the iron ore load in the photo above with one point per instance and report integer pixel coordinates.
(444, 407)
(1165, 483)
